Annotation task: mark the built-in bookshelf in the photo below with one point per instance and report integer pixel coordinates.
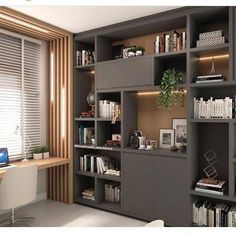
(133, 83)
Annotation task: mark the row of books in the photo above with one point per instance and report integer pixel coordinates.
(99, 164)
(85, 135)
(112, 192)
(106, 108)
(89, 194)
(209, 214)
(170, 42)
(213, 108)
(85, 57)
(211, 186)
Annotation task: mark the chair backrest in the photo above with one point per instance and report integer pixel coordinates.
(18, 187)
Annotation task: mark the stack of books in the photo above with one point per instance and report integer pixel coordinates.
(209, 214)
(214, 108)
(85, 135)
(112, 192)
(85, 57)
(89, 194)
(106, 108)
(210, 38)
(99, 164)
(211, 186)
(209, 78)
(170, 42)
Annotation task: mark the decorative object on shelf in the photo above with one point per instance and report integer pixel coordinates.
(93, 139)
(212, 77)
(174, 149)
(126, 50)
(139, 51)
(210, 38)
(167, 138)
(211, 159)
(113, 143)
(85, 135)
(37, 153)
(153, 143)
(117, 51)
(170, 42)
(116, 137)
(91, 102)
(213, 109)
(115, 113)
(131, 52)
(180, 127)
(169, 93)
(183, 148)
(134, 139)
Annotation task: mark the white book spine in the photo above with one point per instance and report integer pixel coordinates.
(81, 163)
(157, 44)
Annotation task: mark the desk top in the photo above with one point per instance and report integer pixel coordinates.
(42, 164)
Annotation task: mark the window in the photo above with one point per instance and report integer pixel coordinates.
(20, 101)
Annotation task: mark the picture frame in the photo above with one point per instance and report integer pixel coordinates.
(167, 138)
(125, 51)
(180, 127)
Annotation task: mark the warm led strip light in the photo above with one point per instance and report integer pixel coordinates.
(215, 57)
(152, 93)
(23, 23)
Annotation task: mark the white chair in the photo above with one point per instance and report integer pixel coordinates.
(155, 223)
(18, 187)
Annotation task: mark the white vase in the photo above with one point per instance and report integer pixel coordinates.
(37, 156)
(139, 53)
(45, 155)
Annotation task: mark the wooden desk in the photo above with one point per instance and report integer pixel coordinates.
(42, 164)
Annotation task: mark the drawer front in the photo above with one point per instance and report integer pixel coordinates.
(125, 73)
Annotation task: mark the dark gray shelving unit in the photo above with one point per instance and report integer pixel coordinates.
(157, 184)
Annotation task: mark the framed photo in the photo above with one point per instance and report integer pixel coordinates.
(125, 51)
(180, 127)
(167, 138)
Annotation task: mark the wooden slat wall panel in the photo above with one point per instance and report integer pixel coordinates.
(59, 43)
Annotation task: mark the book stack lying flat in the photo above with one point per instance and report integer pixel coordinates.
(112, 192)
(211, 186)
(213, 108)
(99, 164)
(89, 194)
(209, 214)
(209, 78)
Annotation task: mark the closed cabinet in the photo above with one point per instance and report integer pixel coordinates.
(171, 190)
(138, 174)
(124, 73)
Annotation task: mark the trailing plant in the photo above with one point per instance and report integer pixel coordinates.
(169, 93)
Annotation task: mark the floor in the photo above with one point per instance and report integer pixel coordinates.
(50, 213)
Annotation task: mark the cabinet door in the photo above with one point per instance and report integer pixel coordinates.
(124, 73)
(171, 190)
(138, 176)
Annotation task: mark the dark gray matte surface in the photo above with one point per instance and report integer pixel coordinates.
(138, 187)
(125, 73)
(171, 190)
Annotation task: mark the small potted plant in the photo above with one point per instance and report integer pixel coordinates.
(139, 51)
(45, 151)
(131, 52)
(37, 153)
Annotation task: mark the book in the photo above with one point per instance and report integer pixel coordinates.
(209, 191)
(81, 163)
(211, 183)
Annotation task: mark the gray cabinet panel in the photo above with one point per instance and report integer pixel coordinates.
(171, 191)
(125, 73)
(138, 173)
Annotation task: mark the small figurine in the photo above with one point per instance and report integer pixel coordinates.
(115, 114)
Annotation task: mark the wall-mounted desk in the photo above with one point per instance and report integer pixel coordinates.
(42, 164)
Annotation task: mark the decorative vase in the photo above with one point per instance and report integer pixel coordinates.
(131, 54)
(37, 156)
(45, 155)
(139, 53)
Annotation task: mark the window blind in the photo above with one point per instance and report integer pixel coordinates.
(19, 95)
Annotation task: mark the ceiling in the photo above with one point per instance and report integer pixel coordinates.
(81, 18)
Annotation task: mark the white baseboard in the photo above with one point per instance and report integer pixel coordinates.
(39, 197)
